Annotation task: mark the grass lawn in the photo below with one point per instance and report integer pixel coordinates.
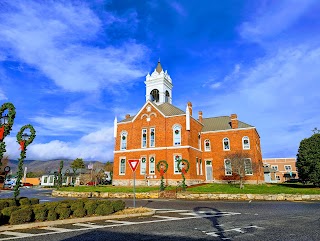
(288, 188)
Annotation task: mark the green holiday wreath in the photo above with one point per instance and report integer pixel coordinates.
(165, 166)
(31, 137)
(11, 115)
(183, 161)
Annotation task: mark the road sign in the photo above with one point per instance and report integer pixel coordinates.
(133, 163)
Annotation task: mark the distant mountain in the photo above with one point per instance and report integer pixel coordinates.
(49, 166)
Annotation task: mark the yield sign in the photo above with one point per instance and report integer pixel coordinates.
(133, 163)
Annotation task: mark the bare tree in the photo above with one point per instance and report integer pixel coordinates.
(240, 165)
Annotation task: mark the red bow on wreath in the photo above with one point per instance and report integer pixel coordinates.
(161, 172)
(22, 145)
(1, 132)
(183, 171)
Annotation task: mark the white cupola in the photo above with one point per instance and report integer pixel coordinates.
(159, 86)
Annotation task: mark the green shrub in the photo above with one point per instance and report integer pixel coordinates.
(34, 201)
(51, 205)
(104, 209)
(8, 210)
(79, 213)
(3, 204)
(77, 204)
(52, 215)
(12, 202)
(20, 216)
(24, 201)
(63, 211)
(40, 212)
(91, 206)
(118, 205)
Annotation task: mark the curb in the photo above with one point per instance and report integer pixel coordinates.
(72, 220)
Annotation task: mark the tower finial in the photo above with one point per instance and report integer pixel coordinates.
(159, 67)
(159, 60)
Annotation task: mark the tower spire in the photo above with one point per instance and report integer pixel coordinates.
(159, 67)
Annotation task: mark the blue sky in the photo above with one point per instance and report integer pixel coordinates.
(70, 67)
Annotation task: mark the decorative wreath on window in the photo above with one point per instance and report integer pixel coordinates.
(123, 137)
(6, 128)
(25, 143)
(176, 131)
(183, 170)
(162, 163)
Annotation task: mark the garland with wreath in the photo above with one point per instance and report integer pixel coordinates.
(23, 148)
(162, 171)
(183, 171)
(6, 128)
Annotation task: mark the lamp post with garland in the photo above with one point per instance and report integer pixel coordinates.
(6, 123)
(162, 167)
(24, 140)
(185, 168)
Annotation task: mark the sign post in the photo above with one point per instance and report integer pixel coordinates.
(133, 163)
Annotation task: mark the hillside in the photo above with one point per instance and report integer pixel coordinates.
(47, 166)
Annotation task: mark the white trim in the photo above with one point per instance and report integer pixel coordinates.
(157, 149)
(154, 136)
(243, 145)
(205, 149)
(228, 144)
(154, 163)
(205, 165)
(141, 165)
(225, 169)
(125, 160)
(142, 109)
(142, 137)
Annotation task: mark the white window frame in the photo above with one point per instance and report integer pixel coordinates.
(223, 145)
(200, 163)
(245, 146)
(175, 160)
(143, 165)
(152, 138)
(197, 165)
(288, 170)
(123, 142)
(122, 166)
(248, 170)
(207, 148)
(152, 165)
(227, 170)
(275, 167)
(176, 137)
(144, 141)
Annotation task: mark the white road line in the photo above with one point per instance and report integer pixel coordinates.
(20, 235)
(165, 217)
(56, 229)
(120, 222)
(88, 225)
(171, 211)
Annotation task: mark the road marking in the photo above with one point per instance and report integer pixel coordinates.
(56, 229)
(218, 233)
(20, 235)
(120, 222)
(165, 217)
(170, 211)
(88, 225)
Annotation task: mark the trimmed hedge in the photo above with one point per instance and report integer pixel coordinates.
(29, 210)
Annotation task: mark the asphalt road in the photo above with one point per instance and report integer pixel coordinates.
(193, 220)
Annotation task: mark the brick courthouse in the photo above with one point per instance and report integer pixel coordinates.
(161, 131)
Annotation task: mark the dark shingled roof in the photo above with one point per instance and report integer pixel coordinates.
(220, 123)
(209, 124)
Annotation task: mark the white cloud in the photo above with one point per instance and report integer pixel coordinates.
(100, 136)
(178, 8)
(273, 18)
(278, 95)
(2, 95)
(53, 38)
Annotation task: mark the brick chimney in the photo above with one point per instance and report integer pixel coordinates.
(127, 116)
(200, 117)
(234, 121)
(190, 107)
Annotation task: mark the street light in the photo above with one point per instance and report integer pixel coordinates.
(4, 119)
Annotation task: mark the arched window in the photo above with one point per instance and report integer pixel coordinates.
(226, 144)
(167, 98)
(123, 141)
(177, 135)
(248, 166)
(207, 146)
(245, 143)
(154, 95)
(144, 138)
(152, 137)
